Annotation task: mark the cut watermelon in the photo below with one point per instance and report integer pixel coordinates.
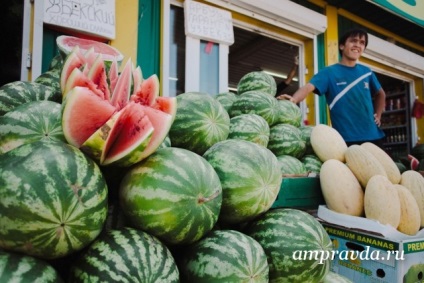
(166, 104)
(66, 43)
(83, 113)
(122, 90)
(113, 75)
(97, 74)
(132, 139)
(146, 91)
(73, 61)
(78, 78)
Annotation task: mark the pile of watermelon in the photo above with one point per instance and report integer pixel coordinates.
(104, 180)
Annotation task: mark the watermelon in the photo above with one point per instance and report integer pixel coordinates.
(174, 194)
(249, 127)
(16, 93)
(256, 102)
(51, 78)
(305, 133)
(285, 139)
(17, 268)
(226, 99)
(284, 233)
(225, 256)
(125, 255)
(257, 81)
(53, 199)
(290, 165)
(200, 122)
(30, 122)
(289, 113)
(66, 44)
(250, 178)
(56, 63)
(106, 121)
(312, 163)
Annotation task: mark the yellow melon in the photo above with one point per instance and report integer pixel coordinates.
(327, 143)
(381, 201)
(340, 188)
(410, 219)
(414, 182)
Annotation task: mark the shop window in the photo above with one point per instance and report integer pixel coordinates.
(176, 52)
(209, 67)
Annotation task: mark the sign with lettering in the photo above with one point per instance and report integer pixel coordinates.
(412, 10)
(208, 23)
(95, 17)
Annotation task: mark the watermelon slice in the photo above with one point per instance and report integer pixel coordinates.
(78, 78)
(73, 61)
(97, 74)
(84, 112)
(66, 43)
(132, 139)
(122, 90)
(146, 91)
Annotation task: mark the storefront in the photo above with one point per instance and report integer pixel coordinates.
(265, 36)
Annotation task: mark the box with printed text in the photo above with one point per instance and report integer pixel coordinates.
(371, 252)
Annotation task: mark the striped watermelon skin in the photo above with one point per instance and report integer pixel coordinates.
(226, 99)
(125, 255)
(51, 78)
(257, 81)
(305, 133)
(312, 163)
(225, 256)
(16, 93)
(174, 194)
(31, 122)
(289, 113)
(53, 200)
(285, 139)
(249, 127)
(256, 102)
(22, 268)
(250, 178)
(283, 231)
(200, 122)
(290, 165)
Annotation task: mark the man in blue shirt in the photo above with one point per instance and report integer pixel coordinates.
(354, 95)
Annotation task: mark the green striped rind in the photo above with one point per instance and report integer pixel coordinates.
(166, 143)
(312, 163)
(30, 122)
(226, 99)
(250, 178)
(174, 194)
(333, 277)
(51, 78)
(126, 255)
(256, 102)
(56, 63)
(200, 122)
(285, 139)
(258, 81)
(249, 127)
(282, 232)
(289, 113)
(290, 165)
(53, 200)
(305, 133)
(17, 93)
(22, 268)
(225, 256)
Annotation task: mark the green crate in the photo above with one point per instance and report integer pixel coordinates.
(299, 192)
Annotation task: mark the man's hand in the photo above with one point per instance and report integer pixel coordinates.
(377, 120)
(286, 97)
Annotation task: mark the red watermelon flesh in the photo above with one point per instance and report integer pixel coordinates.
(83, 113)
(122, 90)
(113, 75)
(166, 104)
(97, 74)
(161, 122)
(73, 61)
(132, 138)
(78, 78)
(147, 91)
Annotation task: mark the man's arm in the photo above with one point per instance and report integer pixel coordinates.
(379, 105)
(300, 94)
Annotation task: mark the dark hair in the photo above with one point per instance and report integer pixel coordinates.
(352, 33)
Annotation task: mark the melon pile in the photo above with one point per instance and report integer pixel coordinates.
(116, 183)
(364, 181)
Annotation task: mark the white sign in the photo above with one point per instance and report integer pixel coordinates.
(208, 23)
(95, 17)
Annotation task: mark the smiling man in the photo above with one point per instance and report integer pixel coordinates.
(354, 95)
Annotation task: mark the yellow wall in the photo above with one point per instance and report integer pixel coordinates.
(126, 29)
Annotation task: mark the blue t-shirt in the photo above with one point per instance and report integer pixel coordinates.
(349, 92)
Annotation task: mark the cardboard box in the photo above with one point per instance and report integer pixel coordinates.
(364, 255)
(300, 192)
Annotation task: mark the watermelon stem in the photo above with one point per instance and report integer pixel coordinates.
(206, 199)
